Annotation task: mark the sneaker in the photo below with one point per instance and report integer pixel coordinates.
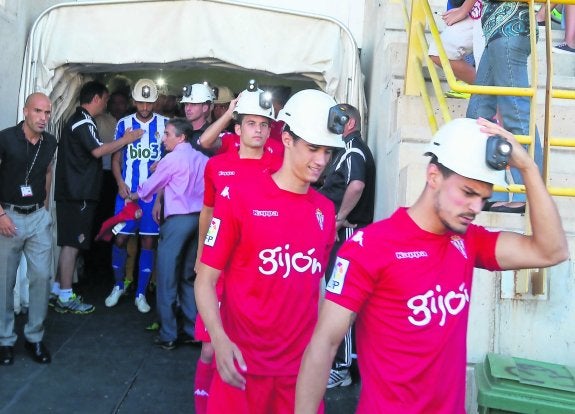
(154, 326)
(128, 287)
(142, 304)
(457, 95)
(52, 300)
(339, 378)
(114, 297)
(74, 305)
(563, 48)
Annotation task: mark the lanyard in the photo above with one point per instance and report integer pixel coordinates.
(33, 161)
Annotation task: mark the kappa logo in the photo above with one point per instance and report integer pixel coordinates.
(459, 245)
(358, 237)
(226, 192)
(320, 218)
(337, 279)
(212, 234)
(410, 255)
(265, 213)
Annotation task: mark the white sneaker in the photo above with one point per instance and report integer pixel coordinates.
(142, 304)
(339, 378)
(114, 297)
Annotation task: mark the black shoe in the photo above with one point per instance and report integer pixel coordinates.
(185, 339)
(6, 355)
(38, 352)
(167, 345)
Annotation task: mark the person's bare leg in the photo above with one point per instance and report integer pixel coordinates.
(66, 266)
(569, 12)
(461, 69)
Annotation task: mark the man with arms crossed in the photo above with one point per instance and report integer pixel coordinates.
(270, 246)
(406, 280)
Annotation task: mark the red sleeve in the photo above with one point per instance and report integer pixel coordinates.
(228, 141)
(485, 242)
(209, 186)
(223, 233)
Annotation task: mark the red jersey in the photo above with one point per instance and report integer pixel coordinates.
(231, 143)
(273, 246)
(225, 168)
(410, 290)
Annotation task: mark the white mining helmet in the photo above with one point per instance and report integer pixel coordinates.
(308, 114)
(252, 102)
(460, 146)
(197, 93)
(145, 90)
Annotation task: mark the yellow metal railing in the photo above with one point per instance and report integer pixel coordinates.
(420, 17)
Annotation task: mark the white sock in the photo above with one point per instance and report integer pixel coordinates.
(65, 294)
(56, 288)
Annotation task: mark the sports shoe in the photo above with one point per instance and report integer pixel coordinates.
(563, 48)
(458, 95)
(142, 304)
(339, 378)
(128, 287)
(52, 300)
(114, 297)
(154, 326)
(74, 305)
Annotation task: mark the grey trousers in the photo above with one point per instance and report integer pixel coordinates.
(34, 240)
(177, 250)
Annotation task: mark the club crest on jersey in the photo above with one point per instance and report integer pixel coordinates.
(226, 192)
(212, 234)
(459, 245)
(337, 279)
(320, 218)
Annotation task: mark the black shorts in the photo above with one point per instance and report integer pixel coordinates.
(74, 223)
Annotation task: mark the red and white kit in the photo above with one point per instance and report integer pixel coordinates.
(410, 290)
(272, 269)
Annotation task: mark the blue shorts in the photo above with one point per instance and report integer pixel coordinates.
(146, 226)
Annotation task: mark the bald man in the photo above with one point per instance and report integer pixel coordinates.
(26, 152)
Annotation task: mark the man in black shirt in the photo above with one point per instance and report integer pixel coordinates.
(350, 184)
(26, 152)
(78, 182)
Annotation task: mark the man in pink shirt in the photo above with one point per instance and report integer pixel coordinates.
(406, 281)
(180, 176)
(270, 245)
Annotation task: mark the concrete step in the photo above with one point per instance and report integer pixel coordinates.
(414, 137)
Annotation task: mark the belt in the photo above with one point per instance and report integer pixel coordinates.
(22, 209)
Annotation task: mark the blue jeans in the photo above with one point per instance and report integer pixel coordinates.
(504, 63)
(177, 250)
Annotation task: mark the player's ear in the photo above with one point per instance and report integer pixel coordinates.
(287, 139)
(434, 176)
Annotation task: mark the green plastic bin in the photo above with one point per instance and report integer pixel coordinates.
(514, 385)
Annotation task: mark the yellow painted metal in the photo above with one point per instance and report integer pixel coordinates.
(414, 48)
(426, 100)
(436, 83)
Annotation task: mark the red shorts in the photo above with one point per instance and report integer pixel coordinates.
(262, 395)
(201, 333)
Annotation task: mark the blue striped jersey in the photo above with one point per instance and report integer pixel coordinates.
(141, 154)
